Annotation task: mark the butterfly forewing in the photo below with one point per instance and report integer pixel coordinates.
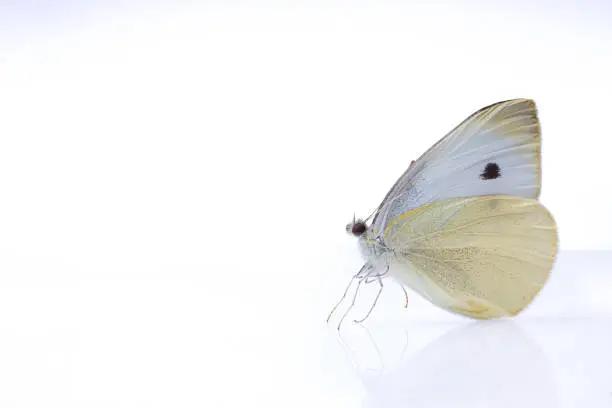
(496, 151)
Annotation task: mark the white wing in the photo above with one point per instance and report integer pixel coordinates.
(496, 151)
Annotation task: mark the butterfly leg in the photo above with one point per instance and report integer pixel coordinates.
(364, 271)
(371, 278)
(380, 289)
(377, 277)
(352, 303)
(406, 296)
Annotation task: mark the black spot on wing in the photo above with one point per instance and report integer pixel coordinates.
(491, 172)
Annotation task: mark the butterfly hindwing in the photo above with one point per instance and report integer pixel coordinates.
(482, 257)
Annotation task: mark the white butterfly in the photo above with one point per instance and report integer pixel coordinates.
(463, 226)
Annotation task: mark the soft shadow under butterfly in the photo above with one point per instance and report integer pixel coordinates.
(462, 226)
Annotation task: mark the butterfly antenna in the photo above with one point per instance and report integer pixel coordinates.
(385, 203)
(372, 214)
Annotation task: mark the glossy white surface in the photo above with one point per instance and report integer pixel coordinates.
(556, 354)
(169, 338)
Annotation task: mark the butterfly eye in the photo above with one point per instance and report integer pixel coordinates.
(358, 228)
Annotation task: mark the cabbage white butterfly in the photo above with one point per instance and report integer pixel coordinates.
(463, 226)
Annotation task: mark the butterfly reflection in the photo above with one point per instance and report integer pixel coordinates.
(480, 364)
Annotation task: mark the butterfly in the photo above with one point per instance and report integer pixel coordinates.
(463, 226)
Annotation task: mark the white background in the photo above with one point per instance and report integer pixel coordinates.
(175, 178)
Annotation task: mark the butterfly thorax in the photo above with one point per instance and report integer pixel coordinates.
(373, 248)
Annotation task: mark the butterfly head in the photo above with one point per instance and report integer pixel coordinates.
(357, 228)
